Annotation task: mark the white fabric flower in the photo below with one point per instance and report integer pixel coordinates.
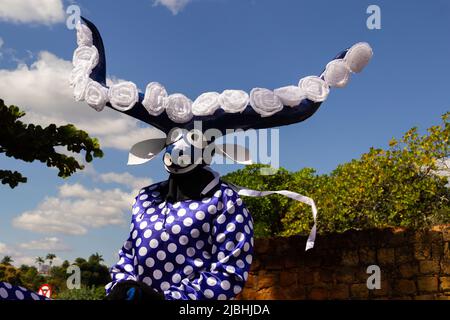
(315, 88)
(96, 95)
(358, 56)
(337, 73)
(85, 55)
(84, 35)
(290, 95)
(206, 104)
(265, 102)
(123, 96)
(154, 99)
(78, 71)
(79, 87)
(179, 108)
(233, 101)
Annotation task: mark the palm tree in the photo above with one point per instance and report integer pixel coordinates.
(7, 260)
(39, 261)
(50, 257)
(96, 258)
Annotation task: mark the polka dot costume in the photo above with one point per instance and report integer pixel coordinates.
(10, 292)
(188, 250)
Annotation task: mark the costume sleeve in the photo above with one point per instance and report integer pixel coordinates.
(231, 241)
(124, 268)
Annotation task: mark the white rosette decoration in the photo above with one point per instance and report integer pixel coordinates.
(84, 35)
(358, 56)
(206, 104)
(233, 101)
(78, 71)
(123, 96)
(265, 102)
(290, 95)
(154, 99)
(179, 108)
(96, 95)
(315, 88)
(337, 73)
(87, 56)
(79, 87)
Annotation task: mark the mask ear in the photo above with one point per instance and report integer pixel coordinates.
(145, 151)
(235, 152)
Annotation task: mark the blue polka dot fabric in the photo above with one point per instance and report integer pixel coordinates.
(188, 250)
(10, 292)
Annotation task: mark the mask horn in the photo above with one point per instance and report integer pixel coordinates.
(145, 151)
(235, 152)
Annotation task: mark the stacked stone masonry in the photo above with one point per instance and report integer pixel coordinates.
(413, 265)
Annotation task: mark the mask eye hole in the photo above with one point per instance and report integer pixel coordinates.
(167, 159)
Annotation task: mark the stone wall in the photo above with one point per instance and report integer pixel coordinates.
(414, 265)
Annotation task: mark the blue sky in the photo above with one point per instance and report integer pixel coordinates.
(212, 45)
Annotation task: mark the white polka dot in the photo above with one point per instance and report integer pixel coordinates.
(149, 262)
(176, 278)
(138, 242)
(192, 296)
(193, 206)
(225, 259)
(230, 269)
(195, 233)
(198, 262)
(153, 243)
(172, 247)
(221, 219)
(245, 212)
(134, 234)
(161, 205)
(127, 245)
(146, 204)
(249, 258)
(190, 252)
(161, 255)
(209, 293)
(220, 237)
(240, 263)
(142, 251)
(164, 236)
(140, 270)
(219, 205)
(180, 259)
(165, 211)
(225, 285)
(7, 285)
(34, 296)
(165, 286)
(200, 215)
(188, 222)
(247, 229)
(170, 219)
(19, 295)
(237, 252)
(169, 267)
(176, 205)
(206, 227)
(154, 218)
(176, 295)
(211, 281)
(229, 192)
(230, 207)
(155, 194)
(237, 289)
(143, 197)
(212, 209)
(181, 212)
(158, 226)
(147, 233)
(240, 237)
(157, 274)
(176, 229)
(206, 200)
(143, 225)
(131, 226)
(188, 270)
(183, 240)
(150, 210)
(252, 241)
(229, 246)
(246, 246)
(120, 276)
(250, 224)
(3, 293)
(135, 210)
(199, 244)
(245, 275)
(206, 255)
(239, 201)
(218, 194)
(239, 218)
(222, 297)
(147, 280)
(128, 268)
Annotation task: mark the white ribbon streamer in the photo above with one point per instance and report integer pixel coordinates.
(293, 195)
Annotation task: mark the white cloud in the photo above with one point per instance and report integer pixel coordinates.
(125, 179)
(43, 91)
(48, 244)
(76, 209)
(32, 11)
(174, 6)
(20, 258)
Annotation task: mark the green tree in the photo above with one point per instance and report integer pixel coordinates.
(29, 142)
(50, 257)
(39, 261)
(7, 260)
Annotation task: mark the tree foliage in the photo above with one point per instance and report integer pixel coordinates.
(29, 142)
(402, 186)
